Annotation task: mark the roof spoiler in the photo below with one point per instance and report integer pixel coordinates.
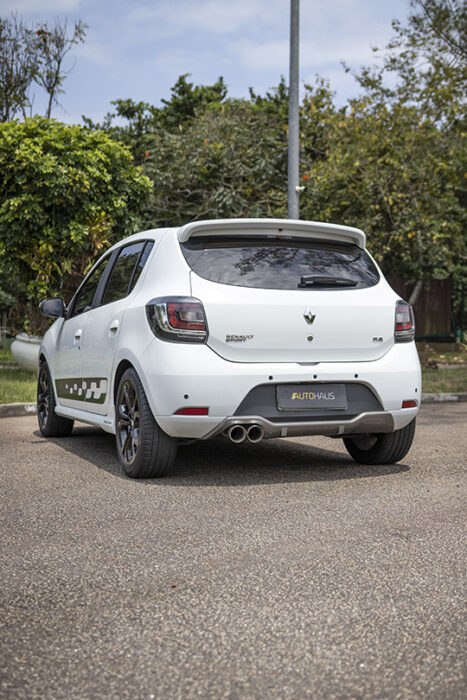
(275, 227)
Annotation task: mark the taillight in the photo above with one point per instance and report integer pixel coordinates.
(404, 328)
(177, 319)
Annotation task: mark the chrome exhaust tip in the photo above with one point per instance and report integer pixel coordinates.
(255, 433)
(237, 433)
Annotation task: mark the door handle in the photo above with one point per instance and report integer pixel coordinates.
(113, 328)
(78, 334)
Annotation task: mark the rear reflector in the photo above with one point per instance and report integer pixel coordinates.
(409, 403)
(192, 412)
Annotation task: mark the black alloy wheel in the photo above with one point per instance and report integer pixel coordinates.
(50, 424)
(128, 423)
(43, 386)
(144, 450)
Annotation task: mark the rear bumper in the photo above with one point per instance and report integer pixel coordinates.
(176, 377)
(381, 422)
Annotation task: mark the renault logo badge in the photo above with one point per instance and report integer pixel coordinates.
(309, 316)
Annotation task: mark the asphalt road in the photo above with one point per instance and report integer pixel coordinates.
(278, 570)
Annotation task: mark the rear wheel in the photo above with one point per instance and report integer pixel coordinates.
(381, 448)
(144, 450)
(50, 424)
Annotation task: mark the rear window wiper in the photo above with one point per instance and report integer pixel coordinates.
(326, 281)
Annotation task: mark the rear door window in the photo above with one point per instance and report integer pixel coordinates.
(280, 263)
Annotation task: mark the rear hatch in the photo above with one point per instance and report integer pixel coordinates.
(282, 297)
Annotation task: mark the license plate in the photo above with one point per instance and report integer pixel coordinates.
(311, 396)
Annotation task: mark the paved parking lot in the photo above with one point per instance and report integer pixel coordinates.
(278, 570)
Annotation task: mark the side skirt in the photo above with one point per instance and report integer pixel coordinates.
(107, 422)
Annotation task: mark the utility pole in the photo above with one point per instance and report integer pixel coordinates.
(294, 156)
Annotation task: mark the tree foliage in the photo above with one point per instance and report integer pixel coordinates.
(393, 173)
(231, 161)
(142, 119)
(425, 64)
(66, 193)
(414, 107)
(33, 56)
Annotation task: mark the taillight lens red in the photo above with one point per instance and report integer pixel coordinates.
(404, 327)
(177, 319)
(195, 411)
(188, 316)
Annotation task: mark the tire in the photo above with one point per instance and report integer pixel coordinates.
(144, 450)
(381, 448)
(50, 424)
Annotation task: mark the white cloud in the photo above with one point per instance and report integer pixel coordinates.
(23, 7)
(97, 53)
(272, 54)
(210, 16)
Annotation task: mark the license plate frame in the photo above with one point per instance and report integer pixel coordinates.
(311, 397)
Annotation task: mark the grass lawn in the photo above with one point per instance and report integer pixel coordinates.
(17, 385)
(444, 381)
(5, 355)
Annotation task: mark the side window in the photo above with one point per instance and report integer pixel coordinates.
(86, 294)
(126, 270)
(141, 263)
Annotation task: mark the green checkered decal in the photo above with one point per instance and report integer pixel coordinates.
(88, 390)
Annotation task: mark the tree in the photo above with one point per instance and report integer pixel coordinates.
(18, 67)
(66, 193)
(391, 172)
(426, 61)
(228, 161)
(52, 47)
(142, 119)
(187, 101)
(33, 56)
(419, 118)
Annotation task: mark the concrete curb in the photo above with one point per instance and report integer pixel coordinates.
(13, 410)
(444, 398)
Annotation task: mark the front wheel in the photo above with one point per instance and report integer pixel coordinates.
(381, 448)
(144, 450)
(50, 424)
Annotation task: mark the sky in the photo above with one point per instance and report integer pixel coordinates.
(138, 48)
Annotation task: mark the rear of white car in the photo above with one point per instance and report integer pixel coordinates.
(257, 329)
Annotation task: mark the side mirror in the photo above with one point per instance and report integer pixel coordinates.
(55, 308)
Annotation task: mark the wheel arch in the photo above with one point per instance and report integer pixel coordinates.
(123, 365)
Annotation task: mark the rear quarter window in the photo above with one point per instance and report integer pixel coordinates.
(126, 270)
(274, 263)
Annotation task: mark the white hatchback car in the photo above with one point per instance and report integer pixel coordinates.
(251, 328)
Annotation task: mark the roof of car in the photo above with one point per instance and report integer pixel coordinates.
(149, 234)
(249, 227)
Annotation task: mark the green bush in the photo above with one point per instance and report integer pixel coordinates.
(66, 194)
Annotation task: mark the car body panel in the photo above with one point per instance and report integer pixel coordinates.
(260, 325)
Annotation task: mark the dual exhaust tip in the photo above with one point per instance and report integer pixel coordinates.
(239, 433)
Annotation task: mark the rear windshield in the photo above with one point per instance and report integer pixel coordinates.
(280, 263)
